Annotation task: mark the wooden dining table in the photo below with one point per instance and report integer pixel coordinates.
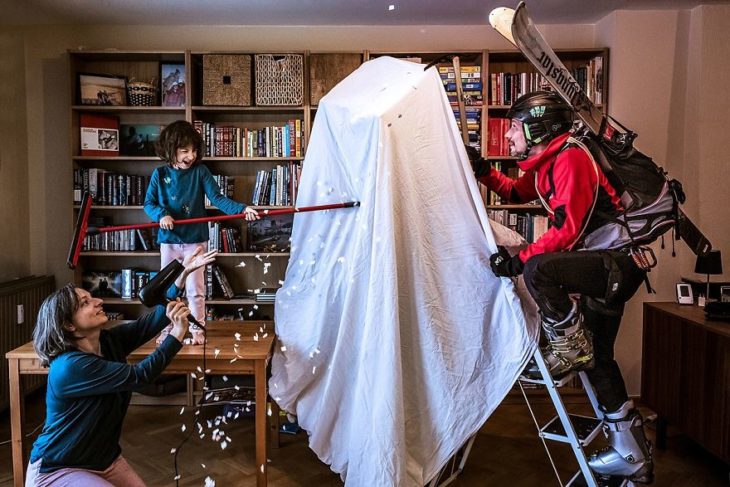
(233, 347)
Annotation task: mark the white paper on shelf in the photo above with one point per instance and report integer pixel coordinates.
(396, 340)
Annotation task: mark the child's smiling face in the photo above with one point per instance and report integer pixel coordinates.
(185, 157)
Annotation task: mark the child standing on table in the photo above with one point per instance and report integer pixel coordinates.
(177, 191)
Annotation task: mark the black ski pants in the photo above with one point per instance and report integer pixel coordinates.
(605, 280)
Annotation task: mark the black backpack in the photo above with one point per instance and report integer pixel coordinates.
(650, 199)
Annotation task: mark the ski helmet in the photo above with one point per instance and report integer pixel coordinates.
(544, 116)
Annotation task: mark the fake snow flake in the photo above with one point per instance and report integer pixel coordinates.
(237, 335)
(391, 7)
(268, 410)
(265, 335)
(255, 306)
(183, 428)
(256, 337)
(262, 468)
(177, 477)
(266, 267)
(202, 465)
(258, 257)
(225, 378)
(182, 410)
(281, 283)
(209, 482)
(192, 374)
(241, 264)
(172, 451)
(216, 352)
(341, 260)
(266, 212)
(283, 348)
(314, 369)
(224, 444)
(250, 313)
(233, 359)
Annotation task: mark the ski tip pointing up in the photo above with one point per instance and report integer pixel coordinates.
(501, 19)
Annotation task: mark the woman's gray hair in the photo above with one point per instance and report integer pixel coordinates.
(50, 337)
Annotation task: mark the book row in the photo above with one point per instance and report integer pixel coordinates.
(109, 188)
(505, 88)
(233, 141)
(277, 187)
(531, 227)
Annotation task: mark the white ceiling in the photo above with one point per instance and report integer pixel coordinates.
(311, 12)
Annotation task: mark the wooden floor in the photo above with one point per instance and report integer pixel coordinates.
(507, 452)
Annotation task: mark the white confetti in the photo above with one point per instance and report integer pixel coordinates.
(283, 348)
(262, 468)
(241, 264)
(224, 444)
(209, 482)
(216, 352)
(268, 410)
(183, 428)
(182, 409)
(258, 257)
(266, 212)
(391, 7)
(314, 369)
(237, 335)
(255, 306)
(192, 374)
(233, 359)
(177, 477)
(202, 465)
(265, 335)
(225, 378)
(250, 313)
(172, 451)
(256, 337)
(341, 260)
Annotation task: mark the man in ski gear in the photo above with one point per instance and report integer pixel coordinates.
(581, 334)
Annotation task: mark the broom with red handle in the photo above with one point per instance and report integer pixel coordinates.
(83, 229)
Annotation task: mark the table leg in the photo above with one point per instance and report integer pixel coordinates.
(261, 429)
(16, 422)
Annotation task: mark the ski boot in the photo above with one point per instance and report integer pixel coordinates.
(629, 452)
(569, 347)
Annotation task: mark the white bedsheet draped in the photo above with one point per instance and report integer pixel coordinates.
(396, 341)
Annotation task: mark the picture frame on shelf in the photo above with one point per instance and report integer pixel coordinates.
(270, 234)
(102, 89)
(172, 84)
(139, 139)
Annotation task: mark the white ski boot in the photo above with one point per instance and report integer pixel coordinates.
(569, 346)
(629, 452)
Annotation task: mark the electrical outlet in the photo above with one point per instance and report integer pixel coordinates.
(21, 314)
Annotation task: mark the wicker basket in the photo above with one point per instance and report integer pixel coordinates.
(141, 94)
(227, 80)
(279, 79)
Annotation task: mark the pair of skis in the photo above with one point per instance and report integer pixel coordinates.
(517, 27)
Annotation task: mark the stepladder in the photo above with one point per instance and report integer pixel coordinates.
(575, 430)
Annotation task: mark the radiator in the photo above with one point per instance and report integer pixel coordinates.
(30, 292)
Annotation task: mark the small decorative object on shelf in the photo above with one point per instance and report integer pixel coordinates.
(142, 94)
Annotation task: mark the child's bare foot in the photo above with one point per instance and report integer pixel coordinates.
(163, 334)
(198, 335)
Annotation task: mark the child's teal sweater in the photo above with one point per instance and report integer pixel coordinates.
(181, 193)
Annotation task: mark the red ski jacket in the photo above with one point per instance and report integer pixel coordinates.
(565, 178)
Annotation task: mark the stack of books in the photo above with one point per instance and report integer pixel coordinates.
(266, 295)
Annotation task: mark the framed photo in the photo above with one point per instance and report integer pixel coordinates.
(139, 139)
(100, 89)
(270, 234)
(172, 84)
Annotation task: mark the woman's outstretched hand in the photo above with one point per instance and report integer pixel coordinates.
(199, 259)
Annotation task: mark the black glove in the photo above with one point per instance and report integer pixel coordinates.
(505, 266)
(478, 164)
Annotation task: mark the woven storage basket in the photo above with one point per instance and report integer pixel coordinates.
(227, 79)
(279, 79)
(141, 94)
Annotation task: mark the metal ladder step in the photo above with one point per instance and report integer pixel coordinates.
(558, 383)
(586, 427)
(579, 481)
